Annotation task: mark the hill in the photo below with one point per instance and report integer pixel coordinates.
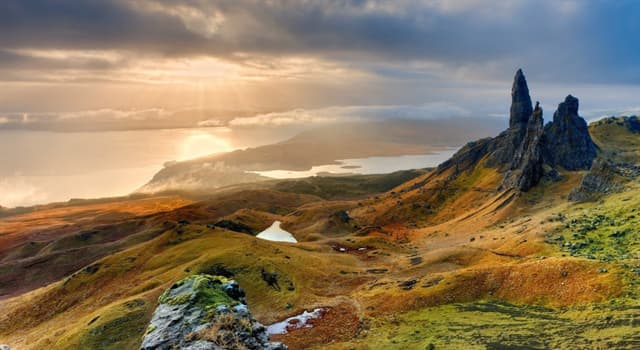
(320, 146)
(484, 252)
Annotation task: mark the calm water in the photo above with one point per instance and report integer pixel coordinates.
(40, 167)
(277, 234)
(371, 165)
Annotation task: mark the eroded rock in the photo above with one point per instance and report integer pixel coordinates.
(527, 166)
(521, 107)
(205, 312)
(604, 177)
(567, 140)
(528, 151)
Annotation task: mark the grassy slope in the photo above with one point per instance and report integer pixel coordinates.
(488, 271)
(340, 187)
(616, 140)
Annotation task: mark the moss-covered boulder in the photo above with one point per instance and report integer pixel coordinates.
(205, 312)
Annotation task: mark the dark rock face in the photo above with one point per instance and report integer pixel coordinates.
(521, 108)
(204, 312)
(468, 156)
(528, 151)
(567, 140)
(632, 123)
(527, 166)
(604, 177)
(503, 148)
(600, 180)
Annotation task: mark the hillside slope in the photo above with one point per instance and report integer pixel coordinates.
(462, 256)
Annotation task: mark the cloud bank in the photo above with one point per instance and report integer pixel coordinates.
(289, 54)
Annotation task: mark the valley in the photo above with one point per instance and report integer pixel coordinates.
(485, 251)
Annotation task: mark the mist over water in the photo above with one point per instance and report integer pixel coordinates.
(370, 165)
(38, 167)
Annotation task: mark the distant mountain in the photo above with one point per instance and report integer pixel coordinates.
(320, 146)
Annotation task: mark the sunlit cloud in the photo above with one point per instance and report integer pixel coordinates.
(16, 191)
(200, 143)
(267, 56)
(203, 21)
(334, 114)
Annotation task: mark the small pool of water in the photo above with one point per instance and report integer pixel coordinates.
(295, 322)
(276, 234)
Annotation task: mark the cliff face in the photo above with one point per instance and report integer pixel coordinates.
(521, 108)
(568, 143)
(528, 147)
(527, 165)
(503, 148)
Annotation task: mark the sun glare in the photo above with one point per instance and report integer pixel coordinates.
(201, 143)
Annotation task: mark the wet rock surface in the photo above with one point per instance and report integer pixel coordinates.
(205, 312)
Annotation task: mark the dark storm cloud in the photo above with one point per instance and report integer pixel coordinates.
(587, 41)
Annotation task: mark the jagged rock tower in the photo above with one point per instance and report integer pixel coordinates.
(568, 143)
(527, 165)
(528, 151)
(521, 108)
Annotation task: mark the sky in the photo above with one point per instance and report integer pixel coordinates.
(136, 64)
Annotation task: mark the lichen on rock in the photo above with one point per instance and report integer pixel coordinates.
(205, 312)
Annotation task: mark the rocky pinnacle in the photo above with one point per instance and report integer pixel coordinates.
(521, 108)
(568, 143)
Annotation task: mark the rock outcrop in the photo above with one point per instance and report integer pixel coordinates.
(567, 140)
(527, 165)
(528, 151)
(600, 180)
(503, 147)
(203, 312)
(632, 123)
(605, 177)
(521, 108)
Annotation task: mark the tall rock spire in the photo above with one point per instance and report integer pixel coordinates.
(521, 107)
(569, 144)
(527, 166)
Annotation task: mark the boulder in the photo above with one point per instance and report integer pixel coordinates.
(205, 312)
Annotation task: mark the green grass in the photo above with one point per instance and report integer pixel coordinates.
(500, 325)
(607, 231)
(338, 187)
(616, 139)
(204, 289)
